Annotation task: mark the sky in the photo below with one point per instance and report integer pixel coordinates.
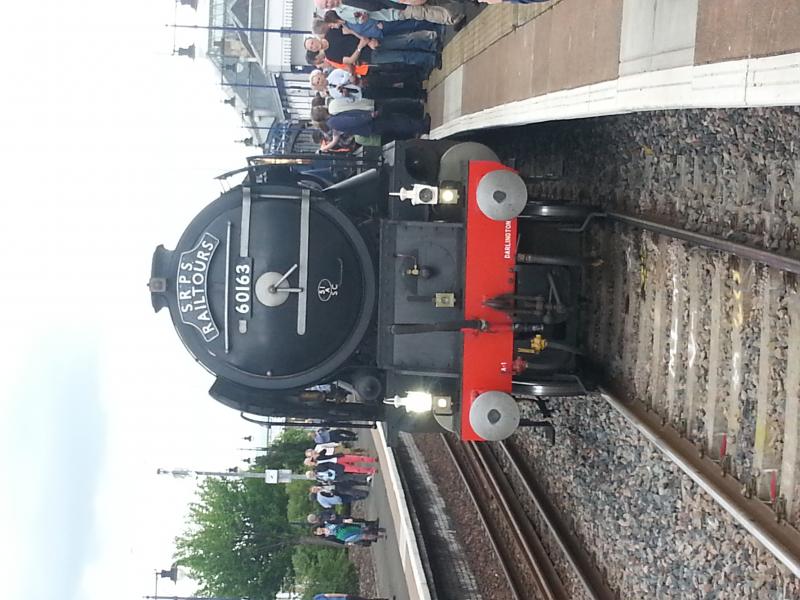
(109, 147)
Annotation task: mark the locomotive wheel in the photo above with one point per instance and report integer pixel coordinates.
(531, 389)
(557, 213)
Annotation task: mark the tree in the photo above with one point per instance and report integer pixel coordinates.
(324, 570)
(239, 543)
(241, 540)
(287, 451)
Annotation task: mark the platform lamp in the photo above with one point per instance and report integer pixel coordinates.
(236, 67)
(172, 574)
(188, 51)
(192, 3)
(248, 141)
(230, 101)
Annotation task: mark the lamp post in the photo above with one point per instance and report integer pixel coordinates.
(269, 475)
(239, 29)
(156, 597)
(266, 85)
(172, 575)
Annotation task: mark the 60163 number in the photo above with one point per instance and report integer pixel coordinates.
(241, 288)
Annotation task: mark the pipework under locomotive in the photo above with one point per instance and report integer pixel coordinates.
(426, 291)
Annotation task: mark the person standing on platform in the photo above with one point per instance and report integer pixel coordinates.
(341, 45)
(444, 12)
(348, 534)
(337, 519)
(346, 488)
(403, 106)
(325, 515)
(360, 122)
(328, 536)
(372, 28)
(340, 83)
(329, 474)
(349, 466)
(337, 457)
(328, 498)
(389, 126)
(323, 435)
(335, 447)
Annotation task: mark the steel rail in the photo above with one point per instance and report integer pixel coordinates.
(518, 594)
(591, 580)
(766, 257)
(546, 576)
(779, 538)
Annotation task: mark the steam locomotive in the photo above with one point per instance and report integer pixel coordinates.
(425, 290)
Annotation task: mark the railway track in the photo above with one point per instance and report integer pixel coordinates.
(704, 345)
(706, 341)
(501, 487)
(709, 341)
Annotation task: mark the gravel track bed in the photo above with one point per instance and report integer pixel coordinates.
(693, 334)
(699, 343)
(650, 529)
(484, 564)
(751, 333)
(572, 585)
(733, 172)
(516, 561)
(666, 358)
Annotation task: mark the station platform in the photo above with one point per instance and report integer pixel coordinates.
(399, 571)
(564, 59)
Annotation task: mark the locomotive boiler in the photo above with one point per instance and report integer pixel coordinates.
(426, 291)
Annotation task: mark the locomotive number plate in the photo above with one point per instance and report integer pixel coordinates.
(242, 288)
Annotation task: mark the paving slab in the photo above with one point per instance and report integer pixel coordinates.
(730, 29)
(657, 34)
(389, 574)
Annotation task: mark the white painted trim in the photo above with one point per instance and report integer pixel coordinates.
(409, 552)
(769, 81)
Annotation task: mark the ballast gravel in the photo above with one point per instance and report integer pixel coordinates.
(649, 528)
